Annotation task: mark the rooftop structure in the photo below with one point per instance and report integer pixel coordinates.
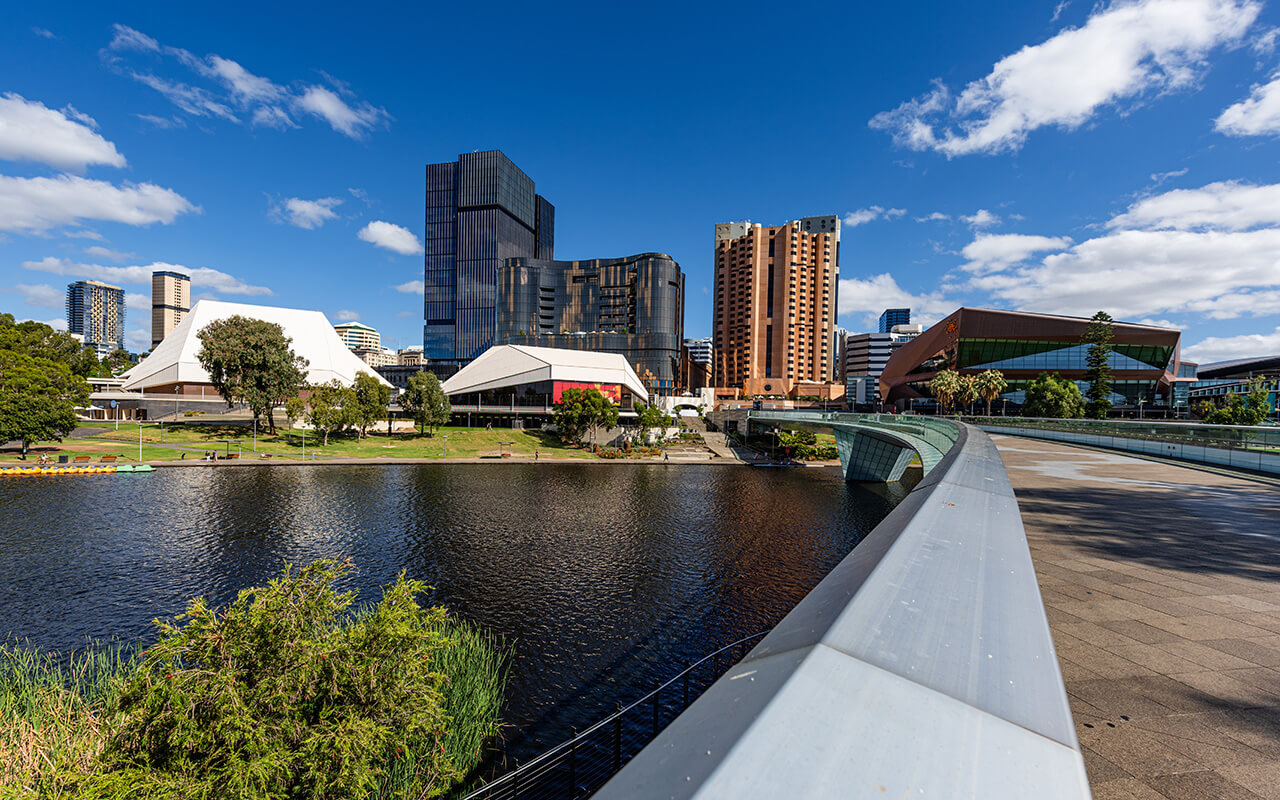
(173, 366)
(543, 370)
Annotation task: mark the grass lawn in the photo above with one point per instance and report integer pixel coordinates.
(95, 449)
(462, 442)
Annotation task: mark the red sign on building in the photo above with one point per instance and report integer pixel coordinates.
(611, 391)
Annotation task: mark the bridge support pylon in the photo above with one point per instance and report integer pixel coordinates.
(866, 457)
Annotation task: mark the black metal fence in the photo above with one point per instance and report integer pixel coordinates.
(578, 767)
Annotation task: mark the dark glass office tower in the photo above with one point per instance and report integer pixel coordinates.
(481, 210)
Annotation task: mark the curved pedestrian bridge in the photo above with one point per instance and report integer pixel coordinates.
(872, 447)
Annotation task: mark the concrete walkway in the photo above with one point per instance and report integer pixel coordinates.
(1162, 586)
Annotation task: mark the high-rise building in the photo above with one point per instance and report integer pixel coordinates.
(95, 310)
(865, 356)
(170, 302)
(633, 306)
(775, 304)
(699, 350)
(894, 316)
(481, 210)
(358, 336)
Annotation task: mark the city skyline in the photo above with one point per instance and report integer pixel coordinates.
(968, 165)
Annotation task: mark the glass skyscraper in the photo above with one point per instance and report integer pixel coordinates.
(481, 210)
(894, 316)
(95, 311)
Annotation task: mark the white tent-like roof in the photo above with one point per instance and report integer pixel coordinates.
(174, 360)
(514, 365)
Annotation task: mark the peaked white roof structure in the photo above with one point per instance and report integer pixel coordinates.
(515, 364)
(174, 359)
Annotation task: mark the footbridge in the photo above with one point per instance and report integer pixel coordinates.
(873, 447)
(921, 666)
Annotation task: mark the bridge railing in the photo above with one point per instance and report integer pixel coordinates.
(937, 432)
(921, 666)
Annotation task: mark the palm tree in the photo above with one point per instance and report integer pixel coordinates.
(990, 384)
(968, 392)
(945, 386)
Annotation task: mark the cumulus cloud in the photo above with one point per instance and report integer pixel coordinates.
(1126, 49)
(309, 214)
(37, 204)
(66, 139)
(1256, 115)
(1225, 205)
(981, 218)
(989, 253)
(232, 92)
(103, 252)
(346, 316)
(41, 295)
(864, 215)
(138, 340)
(136, 302)
(936, 216)
(392, 237)
(412, 287)
(1225, 348)
(868, 298)
(201, 277)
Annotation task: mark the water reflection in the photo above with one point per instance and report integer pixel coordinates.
(605, 577)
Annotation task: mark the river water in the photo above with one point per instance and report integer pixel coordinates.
(604, 577)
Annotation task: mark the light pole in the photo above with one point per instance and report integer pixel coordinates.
(140, 427)
(1141, 400)
(255, 434)
(445, 454)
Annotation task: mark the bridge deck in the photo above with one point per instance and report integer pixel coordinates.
(1162, 586)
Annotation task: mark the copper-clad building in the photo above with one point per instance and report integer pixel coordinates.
(1021, 345)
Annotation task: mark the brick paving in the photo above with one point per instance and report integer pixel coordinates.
(1162, 587)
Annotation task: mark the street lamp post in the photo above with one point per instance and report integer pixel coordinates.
(445, 454)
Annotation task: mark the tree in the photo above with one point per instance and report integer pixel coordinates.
(945, 386)
(990, 385)
(371, 398)
(1098, 336)
(968, 392)
(1052, 396)
(40, 341)
(294, 409)
(38, 398)
(426, 402)
(582, 410)
(651, 417)
(328, 408)
(1241, 409)
(249, 361)
(115, 362)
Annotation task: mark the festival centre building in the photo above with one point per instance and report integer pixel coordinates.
(1144, 362)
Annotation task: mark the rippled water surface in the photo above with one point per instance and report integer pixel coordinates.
(605, 577)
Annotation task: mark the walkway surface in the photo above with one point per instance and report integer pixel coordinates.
(1162, 586)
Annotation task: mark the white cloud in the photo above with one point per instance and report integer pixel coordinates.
(864, 215)
(126, 38)
(191, 99)
(1125, 50)
(41, 295)
(391, 237)
(353, 122)
(412, 287)
(85, 233)
(30, 131)
(936, 216)
(1058, 9)
(137, 340)
(201, 277)
(1225, 205)
(992, 253)
(309, 214)
(872, 296)
(164, 123)
(1225, 348)
(272, 117)
(135, 302)
(37, 204)
(44, 32)
(103, 252)
(1158, 178)
(245, 87)
(981, 218)
(347, 316)
(1256, 115)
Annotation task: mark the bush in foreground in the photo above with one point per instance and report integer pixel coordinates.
(285, 694)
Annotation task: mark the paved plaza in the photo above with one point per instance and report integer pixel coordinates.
(1162, 587)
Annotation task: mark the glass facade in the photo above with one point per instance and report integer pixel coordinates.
(1043, 355)
(480, 210)
(894, 316)
(95, 311)
(632, 306)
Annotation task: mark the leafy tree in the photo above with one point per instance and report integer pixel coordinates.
(990, 385)
(38, 397)
(249, 361)
(945, 387)
(1052, 396)
(40, 341)
(968, 393)
(115, 362)
(294, 409)
(371, 397)
(1098, 336)
(582, 410)
(1238, 409)
(651, 417)
(329, 408)
(426, 402)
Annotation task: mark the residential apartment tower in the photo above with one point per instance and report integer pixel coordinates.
(95, 311)
(170, 302)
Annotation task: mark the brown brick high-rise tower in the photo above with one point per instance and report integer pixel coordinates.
(775, 304)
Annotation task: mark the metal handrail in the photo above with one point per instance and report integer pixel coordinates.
(523, 776)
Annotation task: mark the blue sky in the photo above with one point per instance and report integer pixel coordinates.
(1060, 157)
